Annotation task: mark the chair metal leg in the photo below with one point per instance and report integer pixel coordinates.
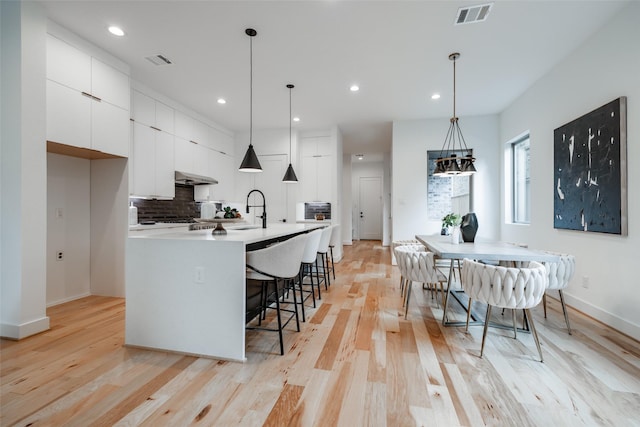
(313, 291)
(333, 267)
(515, 328)
(565, 311)
(406, 308)
(279, 319)
(300, 278)
(466, 328)
(527, 314)
(325, 267)
(544, 303)
(295, 305)
(318, 279)
(486, 326)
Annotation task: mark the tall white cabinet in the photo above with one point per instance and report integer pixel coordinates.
(318, 169)
(153, 159)
(87, 100)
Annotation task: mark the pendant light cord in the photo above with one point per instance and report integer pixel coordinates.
(251, 90)
(454, 89)
(290, 125)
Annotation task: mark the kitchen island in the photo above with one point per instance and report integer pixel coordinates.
(186, 293)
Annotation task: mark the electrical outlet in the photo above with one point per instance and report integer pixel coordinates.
(585, 282)
(59, 256)
(199, 275)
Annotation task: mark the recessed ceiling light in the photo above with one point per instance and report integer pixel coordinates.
(222, 101)
(354, 88)
(296, 119)
(116, 31)
(360, 156)
(435, 96)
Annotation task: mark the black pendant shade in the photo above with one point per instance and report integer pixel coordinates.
(250, 162)
(290, 176)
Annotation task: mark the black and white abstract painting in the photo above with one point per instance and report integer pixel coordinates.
(590, 171)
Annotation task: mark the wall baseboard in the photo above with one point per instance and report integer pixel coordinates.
(18, 332)
(604, 316)
(68, 299)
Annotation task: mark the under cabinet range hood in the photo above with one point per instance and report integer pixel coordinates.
(193, 179)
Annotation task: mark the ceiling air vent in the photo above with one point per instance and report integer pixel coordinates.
(471, 14)
(158, 59)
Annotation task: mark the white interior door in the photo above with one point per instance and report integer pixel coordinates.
(370, 208)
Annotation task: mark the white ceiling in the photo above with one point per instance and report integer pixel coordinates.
(396, 51)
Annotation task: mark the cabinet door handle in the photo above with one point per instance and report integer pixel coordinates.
(88, 95)
(192, 141)
(155, 128)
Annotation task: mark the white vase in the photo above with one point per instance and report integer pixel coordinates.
(455, 235)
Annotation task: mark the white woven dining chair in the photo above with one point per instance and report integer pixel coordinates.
(397, 243)
(504, 287)
(560, 274)
(418, 266)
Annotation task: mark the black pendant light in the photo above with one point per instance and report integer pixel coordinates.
(290, 176)
(449, 164)
(250, 162)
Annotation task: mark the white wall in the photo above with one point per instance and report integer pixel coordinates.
(411, 141)
(346, 223)
(605, 67)
(24, 165)
(109, 226)
(68, 228)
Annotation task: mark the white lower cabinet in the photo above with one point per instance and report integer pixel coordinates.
(153, 163)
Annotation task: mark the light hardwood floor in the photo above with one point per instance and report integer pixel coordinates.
(357, 362)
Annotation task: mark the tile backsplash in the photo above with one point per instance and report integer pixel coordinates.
(313, 208)
(181, 207)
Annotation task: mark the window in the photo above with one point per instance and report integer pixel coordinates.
(521, 181)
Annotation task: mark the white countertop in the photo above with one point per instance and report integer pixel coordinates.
(157, 225)
(234, 234)
(313, 221)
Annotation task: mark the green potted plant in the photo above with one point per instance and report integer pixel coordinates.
(449, 221)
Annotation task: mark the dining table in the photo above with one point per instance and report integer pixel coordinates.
(480, 250)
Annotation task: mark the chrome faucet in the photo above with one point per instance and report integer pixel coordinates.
(264, 207)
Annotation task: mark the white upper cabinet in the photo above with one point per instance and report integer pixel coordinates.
(153, 163)
(165, 117)
(151, 112)
(68, 116)
(87, 100)
(67, 65)
(109, 84)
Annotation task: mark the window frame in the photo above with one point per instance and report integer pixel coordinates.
(517, 204)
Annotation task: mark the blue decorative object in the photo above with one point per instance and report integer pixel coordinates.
(469, 227)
